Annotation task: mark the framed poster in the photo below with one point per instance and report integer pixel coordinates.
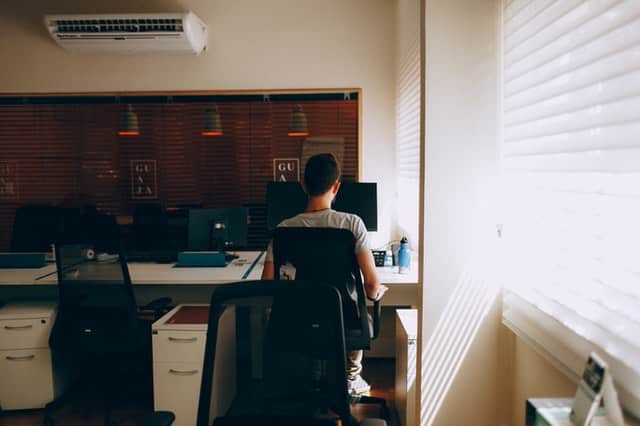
(322, 145)
(9, 180)
(286, 169)
(144, 180)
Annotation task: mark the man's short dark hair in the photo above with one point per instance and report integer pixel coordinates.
(321, 171)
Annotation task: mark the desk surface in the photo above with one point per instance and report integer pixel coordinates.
(247, 267)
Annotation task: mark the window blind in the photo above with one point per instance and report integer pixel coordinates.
(571, 167)
(408, 111)
(408, 124)
(65, 151)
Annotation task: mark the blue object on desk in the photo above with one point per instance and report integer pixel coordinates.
(22, 260)
(404, 257)
(193, 259)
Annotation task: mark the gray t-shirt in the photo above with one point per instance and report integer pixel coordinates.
(327, 218)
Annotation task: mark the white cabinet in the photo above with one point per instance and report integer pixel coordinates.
(179, 339)
(406, 347)
(26, 367)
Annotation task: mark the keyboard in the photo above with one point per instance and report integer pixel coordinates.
(153, 256)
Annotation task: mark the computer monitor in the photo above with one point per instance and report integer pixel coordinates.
(284, 200)
(217, 229)
(287, 199)
(360, 198)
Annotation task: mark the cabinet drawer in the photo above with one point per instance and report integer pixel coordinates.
(24, 333)
(176, 388)
(179, 346)
(27, 379)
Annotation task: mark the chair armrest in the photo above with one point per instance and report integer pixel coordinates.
(373, 422)
(157, 304)
(376, 318)
(158, 418)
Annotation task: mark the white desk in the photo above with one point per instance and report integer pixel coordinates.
(185, 284)
(178, 355)
(30, 378)
(403, 288)
(195, 285)
(243, 268)
(26, 276)
(406, 343)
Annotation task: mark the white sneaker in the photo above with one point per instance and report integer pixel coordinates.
(358, 386)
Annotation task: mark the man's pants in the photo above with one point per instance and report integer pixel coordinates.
(354, 364)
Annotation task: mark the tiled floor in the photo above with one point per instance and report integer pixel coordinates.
(378, 372)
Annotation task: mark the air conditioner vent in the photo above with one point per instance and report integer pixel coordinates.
(129, 33)
(118, 25)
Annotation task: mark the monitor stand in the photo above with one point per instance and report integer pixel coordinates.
(218, 239)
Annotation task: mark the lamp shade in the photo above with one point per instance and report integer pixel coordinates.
(298, 122)
(128, 122)
(212, 122)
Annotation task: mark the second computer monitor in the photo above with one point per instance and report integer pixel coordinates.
(287, 199)
(217, 229)
(360, 198)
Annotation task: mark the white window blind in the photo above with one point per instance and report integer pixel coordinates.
(408, 111)
(408, 120)
(571, 164)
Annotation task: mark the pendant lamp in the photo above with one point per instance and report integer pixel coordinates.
(128, 122)
(298, 122)
(212, 122)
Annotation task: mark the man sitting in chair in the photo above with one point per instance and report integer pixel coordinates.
(321, 183)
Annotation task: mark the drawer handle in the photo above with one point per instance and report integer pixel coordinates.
(183, 339)
(18, 327)
(21, 358)
(182, 372)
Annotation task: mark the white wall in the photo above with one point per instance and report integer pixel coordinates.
(528, 375)
(253, 44)
(461, 312)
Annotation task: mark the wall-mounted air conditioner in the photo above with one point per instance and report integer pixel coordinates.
(129, 33)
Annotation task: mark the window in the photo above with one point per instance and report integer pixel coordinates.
(408, 120)
(65, 150)
(571, 164)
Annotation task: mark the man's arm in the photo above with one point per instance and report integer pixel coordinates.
(268, 271)
(372, 286)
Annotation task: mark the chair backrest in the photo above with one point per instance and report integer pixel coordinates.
(326, 255)
(97, 311)
(71, 226)
(151, 227)
(103, 230)
(178, 228)
(270, 358)
(35, 228)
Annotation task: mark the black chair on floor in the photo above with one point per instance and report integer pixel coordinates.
(328, 255)
(97, 227)
(178, 228)
(97, 330)
(151, 227)
(35, 228)
(288, 368)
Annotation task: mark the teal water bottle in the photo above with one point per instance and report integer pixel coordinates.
(404, 257)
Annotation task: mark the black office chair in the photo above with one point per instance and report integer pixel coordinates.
(298, 377)
(151, 227)
(98, 228)
(97, 330)
(178, 228)
(35, 228)
(328, 254)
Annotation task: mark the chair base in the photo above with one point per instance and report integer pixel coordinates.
(385, 413)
